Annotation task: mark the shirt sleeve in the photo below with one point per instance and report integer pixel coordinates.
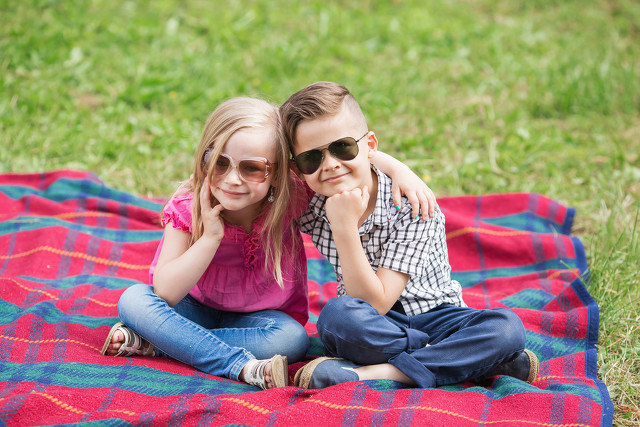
(177, 211)
(408, 246)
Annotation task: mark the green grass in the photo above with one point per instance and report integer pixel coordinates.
(477, 97)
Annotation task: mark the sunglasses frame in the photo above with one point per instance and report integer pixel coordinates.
(326, 147)
(236, 165)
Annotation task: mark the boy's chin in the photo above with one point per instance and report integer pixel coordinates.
(332, 190)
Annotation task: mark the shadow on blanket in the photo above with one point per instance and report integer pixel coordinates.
(69, 246)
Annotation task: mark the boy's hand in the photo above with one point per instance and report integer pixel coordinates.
(346, 208)
(417, 192)
(213, 224)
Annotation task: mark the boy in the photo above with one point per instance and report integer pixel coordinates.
(398, 314)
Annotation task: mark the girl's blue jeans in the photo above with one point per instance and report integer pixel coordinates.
(463, 343)
(213, 341)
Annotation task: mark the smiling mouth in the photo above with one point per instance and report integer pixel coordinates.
(334, 178)
(231, 193)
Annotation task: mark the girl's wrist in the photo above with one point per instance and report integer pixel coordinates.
(211, 242)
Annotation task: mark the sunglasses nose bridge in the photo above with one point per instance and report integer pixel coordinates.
(328, 157)
(233, 172)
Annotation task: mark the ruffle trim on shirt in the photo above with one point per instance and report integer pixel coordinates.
(176, 221)
(251, 243)
(177, 211)
(250, 248)
(173, 216)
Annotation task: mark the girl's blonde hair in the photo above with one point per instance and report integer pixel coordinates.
(231, 116)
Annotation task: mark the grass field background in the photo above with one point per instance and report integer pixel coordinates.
(476, 96)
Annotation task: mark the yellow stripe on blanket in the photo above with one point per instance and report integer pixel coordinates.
(76, 254)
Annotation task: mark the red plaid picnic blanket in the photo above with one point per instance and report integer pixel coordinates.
(69, 246)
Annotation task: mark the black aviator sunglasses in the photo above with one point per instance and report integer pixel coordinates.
(343, 149)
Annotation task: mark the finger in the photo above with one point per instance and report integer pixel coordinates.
(365, 195)
(217, 209)
(415, 205)
(432, 203)
(205, 198)
(427, 204)
(424, 206)
(397, 197)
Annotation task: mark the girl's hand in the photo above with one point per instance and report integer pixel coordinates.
(346, 208)
(211, 219)
(407, 183)
(417, 192)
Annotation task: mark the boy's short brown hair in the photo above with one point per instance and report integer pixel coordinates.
(315, 101)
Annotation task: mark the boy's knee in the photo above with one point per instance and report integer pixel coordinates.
(339, 311)
(337, 305)
(345, 319)
(509, 330)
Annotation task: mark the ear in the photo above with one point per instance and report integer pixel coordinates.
(372, 143)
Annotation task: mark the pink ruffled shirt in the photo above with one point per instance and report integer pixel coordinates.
(236, 279)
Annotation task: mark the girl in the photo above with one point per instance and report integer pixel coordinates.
(229, 292)
(216, 304)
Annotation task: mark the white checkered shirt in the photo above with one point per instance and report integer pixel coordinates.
(396, 241)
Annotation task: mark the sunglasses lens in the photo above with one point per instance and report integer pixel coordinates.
(344, 149)
(309, 161)
(253, 170)
(222, 165)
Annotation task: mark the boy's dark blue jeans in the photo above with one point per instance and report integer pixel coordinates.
(463, 343)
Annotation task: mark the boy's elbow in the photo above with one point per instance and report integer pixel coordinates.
(383, 309)
(382, 306)
(381, 302)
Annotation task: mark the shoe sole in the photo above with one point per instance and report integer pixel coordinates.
(534, 366)
(279, 371)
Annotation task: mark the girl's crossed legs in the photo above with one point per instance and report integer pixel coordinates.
(213, 341)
